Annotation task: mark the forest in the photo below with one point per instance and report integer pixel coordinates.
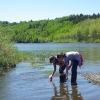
(72, 28)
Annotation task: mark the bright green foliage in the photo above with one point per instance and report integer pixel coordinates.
(9, 56)
(73, 28)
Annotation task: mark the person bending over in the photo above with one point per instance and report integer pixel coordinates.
(62, 67)
(76, 60)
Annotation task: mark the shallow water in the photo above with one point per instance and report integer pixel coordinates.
(28, 83)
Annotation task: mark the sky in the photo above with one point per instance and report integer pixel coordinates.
(26, 10)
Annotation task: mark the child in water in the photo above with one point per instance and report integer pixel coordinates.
(62, 67)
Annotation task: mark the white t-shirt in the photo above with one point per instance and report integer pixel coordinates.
(72, 55)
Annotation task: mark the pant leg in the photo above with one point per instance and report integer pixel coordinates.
(61, 71)
(63, 78)
(74, 71)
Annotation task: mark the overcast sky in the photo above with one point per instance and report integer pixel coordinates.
(25, 10)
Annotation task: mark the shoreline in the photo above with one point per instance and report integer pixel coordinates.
(92, 77)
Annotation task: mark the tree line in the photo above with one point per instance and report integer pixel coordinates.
(72, 28)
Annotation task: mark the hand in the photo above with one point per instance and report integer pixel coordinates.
(66, 78)
(68, 67)
(50, 77)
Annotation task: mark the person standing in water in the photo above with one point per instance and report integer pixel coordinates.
(62, 67)
(76, 60)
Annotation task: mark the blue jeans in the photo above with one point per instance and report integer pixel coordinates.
(74, 71)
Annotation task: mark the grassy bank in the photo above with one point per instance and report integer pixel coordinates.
(9, 55)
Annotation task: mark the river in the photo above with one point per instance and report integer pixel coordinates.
(30, 81)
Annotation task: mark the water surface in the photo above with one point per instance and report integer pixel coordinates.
(30, 82)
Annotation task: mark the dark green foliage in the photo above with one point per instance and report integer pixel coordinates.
(73, 28)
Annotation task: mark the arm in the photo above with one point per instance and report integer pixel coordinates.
(70, 64)
(54, 69)
(63, 63)
(66, 70)
(50, 77)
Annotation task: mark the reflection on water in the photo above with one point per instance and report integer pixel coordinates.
(75, 95)
(64, 93)
(61, 93)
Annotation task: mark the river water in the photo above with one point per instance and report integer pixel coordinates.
(30, 81)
